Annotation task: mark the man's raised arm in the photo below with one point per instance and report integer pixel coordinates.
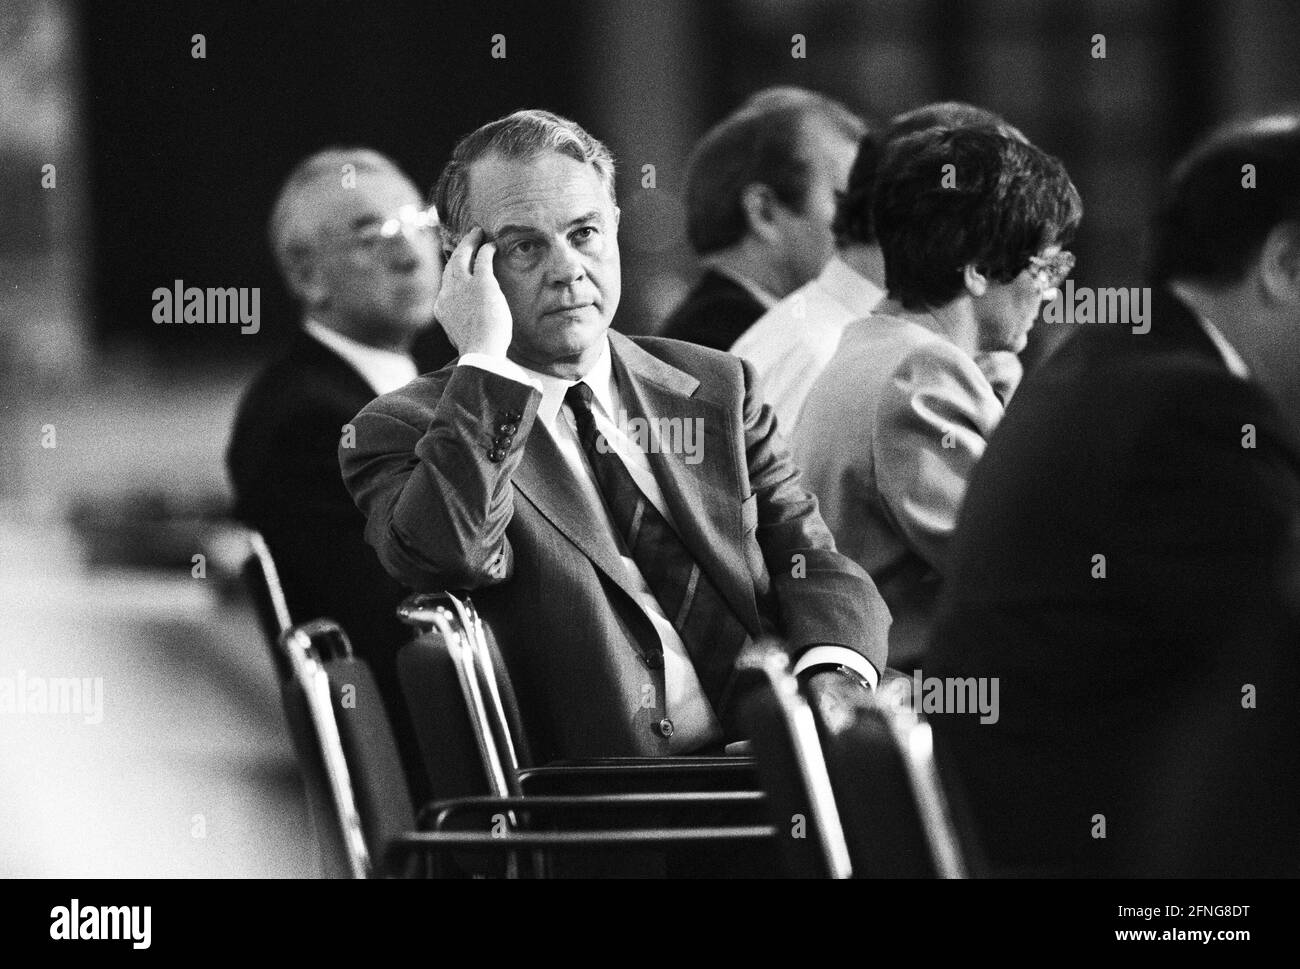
(429, 465)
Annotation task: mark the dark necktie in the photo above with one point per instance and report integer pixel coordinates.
(712, 633)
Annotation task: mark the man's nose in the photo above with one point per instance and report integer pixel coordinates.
(564, 265)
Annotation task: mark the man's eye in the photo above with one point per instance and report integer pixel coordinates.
(586, 233)
(524, 247)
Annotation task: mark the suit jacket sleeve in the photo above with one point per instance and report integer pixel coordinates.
(436, 505)
(823, 597)
(934, 421)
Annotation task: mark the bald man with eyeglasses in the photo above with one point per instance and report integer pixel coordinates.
(358, 248)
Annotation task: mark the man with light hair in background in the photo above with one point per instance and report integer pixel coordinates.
(358, 249)
(791, 344)
(760, 198)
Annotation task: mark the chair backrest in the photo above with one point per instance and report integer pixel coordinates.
(463, 706)
(784, 734)
(262, 581)
(355, 784)
(880, 754)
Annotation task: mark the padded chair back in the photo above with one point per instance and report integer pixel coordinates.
(462, 704)
(383, 797)
(790, 760)
(897, 821)
(355, 785)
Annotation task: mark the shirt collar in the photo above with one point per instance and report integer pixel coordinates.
(600, 378)
(847, 286)
(1231, 358)
(384, 370)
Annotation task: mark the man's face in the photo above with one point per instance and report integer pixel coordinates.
(809, 242)
(379, 288)
(1007, 311)
(557, 262)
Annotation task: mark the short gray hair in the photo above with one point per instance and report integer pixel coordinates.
(284, 228)
(516, 137)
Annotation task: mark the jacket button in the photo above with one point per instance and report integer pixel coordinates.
(664, 728)
(496, 455)
(507, 428)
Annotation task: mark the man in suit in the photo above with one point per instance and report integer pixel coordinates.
(1128, 561)
(619, 508)
(357, 248)
(890, 431)
(760, 199)
(793, 341)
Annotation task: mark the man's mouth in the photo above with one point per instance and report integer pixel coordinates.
(566, 309)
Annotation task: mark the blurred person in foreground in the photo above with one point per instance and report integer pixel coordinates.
(971, 224)
(358, 249)
(793, 341)
(760, 199)
(1128, 562)
(622, 575)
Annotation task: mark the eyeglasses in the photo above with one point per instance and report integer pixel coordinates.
(410, 221)
(1049, 273)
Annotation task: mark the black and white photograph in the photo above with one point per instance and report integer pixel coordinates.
(650, 439)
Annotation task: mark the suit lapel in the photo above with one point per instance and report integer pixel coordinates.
(702, 498)
(546, 481)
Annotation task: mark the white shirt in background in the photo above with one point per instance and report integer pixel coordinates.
(791, 344)
(383, 370)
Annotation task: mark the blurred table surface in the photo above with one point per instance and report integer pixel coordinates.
(189, 773)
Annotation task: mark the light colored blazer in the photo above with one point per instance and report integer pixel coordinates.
(462, 490)
(887, 439)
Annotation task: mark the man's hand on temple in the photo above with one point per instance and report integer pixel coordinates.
(471, 307)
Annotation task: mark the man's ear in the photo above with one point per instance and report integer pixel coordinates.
(759, 203)
(304, 277)
(977, 284)
(1279, 263)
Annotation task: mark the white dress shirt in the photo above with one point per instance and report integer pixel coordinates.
(1231, 358)
(383, 370)
(694, 719)
(791, 344)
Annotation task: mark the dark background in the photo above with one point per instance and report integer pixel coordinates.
(185, 155)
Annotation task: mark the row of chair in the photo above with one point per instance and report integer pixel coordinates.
(835, 790)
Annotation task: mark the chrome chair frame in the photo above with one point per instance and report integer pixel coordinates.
(772, 663)
(915, 740)
(460, 630)
(298, 642)
(275, 591)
